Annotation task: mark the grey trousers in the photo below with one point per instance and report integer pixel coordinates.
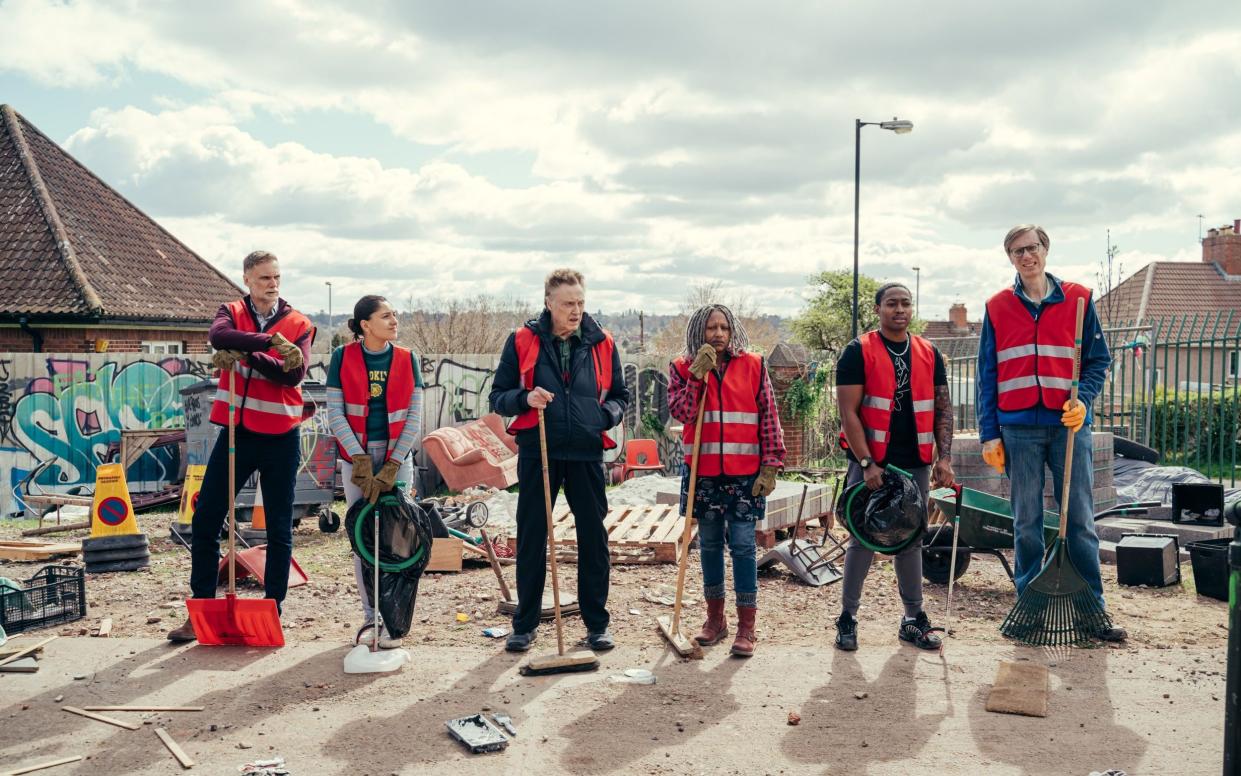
(908, 562)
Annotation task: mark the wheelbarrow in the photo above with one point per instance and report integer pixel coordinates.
(985, 523)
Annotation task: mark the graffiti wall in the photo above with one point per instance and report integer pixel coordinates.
(60, 414)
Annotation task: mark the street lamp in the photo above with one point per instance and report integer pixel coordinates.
(896, 125)
(917, 289)
(328, 283)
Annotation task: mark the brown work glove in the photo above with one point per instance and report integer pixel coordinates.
(704, 361)
(290, 354)
(765, 483)
(385, 480)
(364, 475)
(225, 360)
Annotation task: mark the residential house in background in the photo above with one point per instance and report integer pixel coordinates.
(83, 270)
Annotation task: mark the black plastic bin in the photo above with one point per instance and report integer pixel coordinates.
(1209, 558)
(55, 594)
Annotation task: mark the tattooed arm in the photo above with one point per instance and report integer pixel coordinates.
(942, 475)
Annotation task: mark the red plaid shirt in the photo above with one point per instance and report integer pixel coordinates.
(683, 396)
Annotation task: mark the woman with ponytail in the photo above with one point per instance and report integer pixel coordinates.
(374, 393)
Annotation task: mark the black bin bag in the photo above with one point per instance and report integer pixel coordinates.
(889, 519)
(404, 551)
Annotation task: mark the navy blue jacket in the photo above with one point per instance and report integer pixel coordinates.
(575, 419)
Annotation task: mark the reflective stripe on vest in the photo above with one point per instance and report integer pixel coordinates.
(1034, 356)
(879, 393)
(263, 406)
(355, 385)
(730, 422)
(526, 343)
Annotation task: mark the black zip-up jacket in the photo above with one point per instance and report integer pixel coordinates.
(575, 419)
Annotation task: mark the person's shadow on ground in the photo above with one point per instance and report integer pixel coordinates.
(686, 700)
(1079, 733)
(845, 733)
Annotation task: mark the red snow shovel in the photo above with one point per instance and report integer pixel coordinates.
(233, 621)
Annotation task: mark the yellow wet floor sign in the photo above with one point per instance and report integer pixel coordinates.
(112, 513)
(189, 493)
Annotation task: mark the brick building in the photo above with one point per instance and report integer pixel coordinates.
(84, 270)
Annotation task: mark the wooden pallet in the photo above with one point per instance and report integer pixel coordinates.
(36, 550)
(645, 534)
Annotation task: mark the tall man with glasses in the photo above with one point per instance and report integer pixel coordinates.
(1025, 373)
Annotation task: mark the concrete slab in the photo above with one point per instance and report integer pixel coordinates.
(885, 709)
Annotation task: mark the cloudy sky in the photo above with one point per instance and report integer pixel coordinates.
(451, 148)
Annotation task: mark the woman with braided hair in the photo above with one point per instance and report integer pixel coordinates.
(742, 446)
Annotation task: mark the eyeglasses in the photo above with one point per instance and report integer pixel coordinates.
(1030, 249)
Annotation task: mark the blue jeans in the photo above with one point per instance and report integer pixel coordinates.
(1029, 452)
(740, 534)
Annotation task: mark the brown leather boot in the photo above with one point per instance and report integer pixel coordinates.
(716, 627)
(184, 633)
(743, 645)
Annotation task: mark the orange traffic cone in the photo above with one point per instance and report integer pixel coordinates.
(257, 530)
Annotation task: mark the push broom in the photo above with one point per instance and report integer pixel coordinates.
(1058, 608)
(560, 663)
(670, 628)
(234, 621)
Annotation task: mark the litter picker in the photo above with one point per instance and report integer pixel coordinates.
(559, 663)
(372, 660)
(1058, 608)
(671, 628)
(234, 621)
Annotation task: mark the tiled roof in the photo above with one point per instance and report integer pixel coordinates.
(1175, 288)
(71, 246)
(943, 329)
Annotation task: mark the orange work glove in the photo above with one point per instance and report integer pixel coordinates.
(993, 454)
(1074, 416)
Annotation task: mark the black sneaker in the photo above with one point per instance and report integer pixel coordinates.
(520, 642)
(846, 632)
(918, 631)
(600, 642)
(1112, 633)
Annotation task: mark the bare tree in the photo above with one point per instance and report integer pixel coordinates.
(764, 333)
(1109, 276)
(479, 324)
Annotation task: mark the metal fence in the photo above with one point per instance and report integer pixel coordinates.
(1174, 386)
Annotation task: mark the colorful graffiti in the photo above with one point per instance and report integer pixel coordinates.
(59, 421)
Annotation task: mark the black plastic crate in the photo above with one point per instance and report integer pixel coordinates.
(54, 595)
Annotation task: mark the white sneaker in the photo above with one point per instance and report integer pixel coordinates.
(386, 641)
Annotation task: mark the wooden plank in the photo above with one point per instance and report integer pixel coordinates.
(26, 665)
(144, 708)
(27, 650)
(100, 717)
(105, 627)
(175, 748)
(44, 766)
(62, 528)
(15, 646)
(36, 550)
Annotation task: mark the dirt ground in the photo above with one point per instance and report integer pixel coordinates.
(1150, 706)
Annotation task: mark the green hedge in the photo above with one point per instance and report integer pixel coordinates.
(1196, 427)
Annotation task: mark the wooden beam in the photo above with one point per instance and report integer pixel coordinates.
(144, 708)
(62, 528)
(28, 650)
(42, 766)
(100, 718)
(175, 748)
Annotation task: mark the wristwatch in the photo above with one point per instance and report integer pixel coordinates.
(865, 463)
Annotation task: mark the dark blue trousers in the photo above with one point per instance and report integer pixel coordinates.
(275, 458)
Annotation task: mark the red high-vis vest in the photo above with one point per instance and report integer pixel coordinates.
(355, 385)
(879, 395)
(730, 432)
(1034, 356)
(263, 406)
(526, 341)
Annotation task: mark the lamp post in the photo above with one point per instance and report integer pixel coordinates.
(917, 289)
(328, 283)
(896, 125)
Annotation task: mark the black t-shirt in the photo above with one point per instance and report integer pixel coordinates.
(903, 434)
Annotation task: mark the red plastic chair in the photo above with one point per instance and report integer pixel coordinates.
(640, 455)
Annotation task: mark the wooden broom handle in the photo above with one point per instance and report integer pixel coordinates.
(551, 535)
(1068, 447)
(232, 483)
(683, 563)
